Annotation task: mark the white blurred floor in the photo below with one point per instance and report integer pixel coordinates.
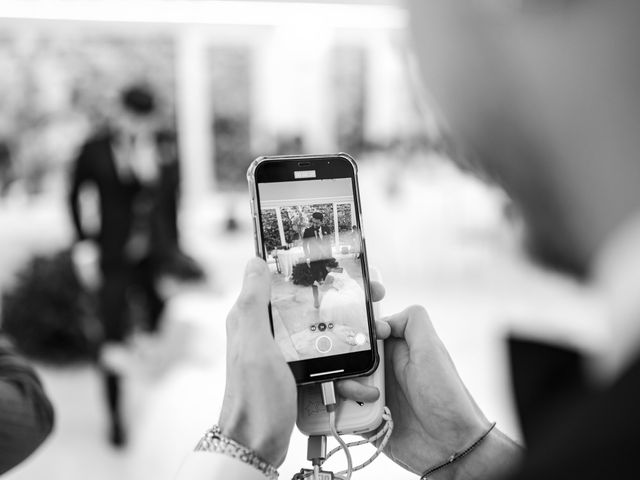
(438, 240)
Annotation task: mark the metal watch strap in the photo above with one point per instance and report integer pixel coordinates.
(214, 441)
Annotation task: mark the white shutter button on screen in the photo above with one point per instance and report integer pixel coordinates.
(324, 344)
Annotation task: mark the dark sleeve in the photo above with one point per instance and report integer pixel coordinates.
(79, 175)
(169, 192)
(178, 174)
(174, 196)
(593, 437)
(26, 415)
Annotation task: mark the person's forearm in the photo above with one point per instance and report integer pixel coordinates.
(494, 458)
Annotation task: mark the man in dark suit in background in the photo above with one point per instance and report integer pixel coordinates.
(134, 169)
(6, 168)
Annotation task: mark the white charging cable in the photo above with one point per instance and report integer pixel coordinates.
(329, 400)
(343, 445)
(384, 433)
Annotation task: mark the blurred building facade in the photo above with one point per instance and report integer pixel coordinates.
(237, 79)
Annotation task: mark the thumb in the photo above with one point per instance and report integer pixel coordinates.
(251, 306)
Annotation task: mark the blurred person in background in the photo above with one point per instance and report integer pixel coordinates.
(545, 95)
(134, 168)
(26, 415)
(6, 168)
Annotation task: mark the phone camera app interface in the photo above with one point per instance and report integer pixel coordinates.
(312, 241)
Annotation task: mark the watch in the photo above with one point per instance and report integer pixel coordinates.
(214, 441)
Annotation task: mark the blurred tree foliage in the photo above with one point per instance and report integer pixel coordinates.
(349, 96)
(270, 232)
(297, 220)
(290, 234)
(48, 314)
(55, 88)
(344, 219)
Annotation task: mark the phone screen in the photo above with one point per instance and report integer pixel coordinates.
(312, 241)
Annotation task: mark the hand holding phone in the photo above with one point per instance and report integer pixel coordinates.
(259, 407)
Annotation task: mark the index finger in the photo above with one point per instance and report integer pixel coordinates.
(250, 310)
(377, 291)
(383, 330)
(413, 325)
(357, 391)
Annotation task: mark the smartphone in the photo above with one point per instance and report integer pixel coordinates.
(308, 227)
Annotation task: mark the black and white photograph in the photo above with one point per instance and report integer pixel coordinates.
(438, 278)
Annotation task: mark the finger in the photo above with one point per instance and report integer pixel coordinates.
(377, 291)
(383, 330)
(255, 285)
(250, 308)
(356, 391)
(413, 325)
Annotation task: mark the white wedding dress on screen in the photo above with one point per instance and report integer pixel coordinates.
(344, 303)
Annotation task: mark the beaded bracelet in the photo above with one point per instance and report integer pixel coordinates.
(457, 456)
(215, 441)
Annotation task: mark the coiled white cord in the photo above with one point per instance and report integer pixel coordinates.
(343, 446)
(384, 433)
(329, 400)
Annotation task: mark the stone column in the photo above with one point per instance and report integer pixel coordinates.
(193, 109)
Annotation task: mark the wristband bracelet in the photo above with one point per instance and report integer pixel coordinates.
(457, 456)
(214, 441)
